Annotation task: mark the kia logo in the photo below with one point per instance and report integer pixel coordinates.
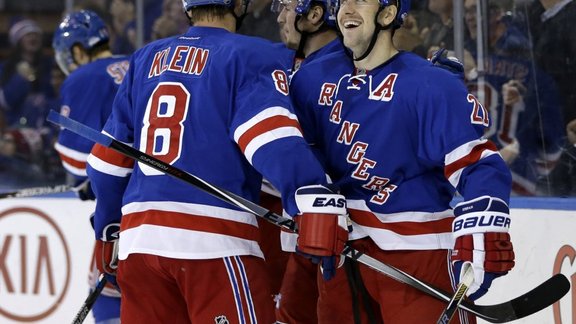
(34, 265)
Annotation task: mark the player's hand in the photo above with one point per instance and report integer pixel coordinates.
(322, 227)
(441, 59)
(481, 231)
(512, 92)
(106, 253)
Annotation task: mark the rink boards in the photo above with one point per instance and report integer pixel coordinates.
(46, 245)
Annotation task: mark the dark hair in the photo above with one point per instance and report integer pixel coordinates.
(209, 11)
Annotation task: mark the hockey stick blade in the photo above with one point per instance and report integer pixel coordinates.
(544, 295)
(89, 302)
(522, 306)
(36, 191)
(465, 282)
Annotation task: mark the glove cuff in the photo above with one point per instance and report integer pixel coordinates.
(480, 222)
(481, 215)
(318, 199)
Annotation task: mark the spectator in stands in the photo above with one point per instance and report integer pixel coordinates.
(550, 23)
(171, 22)
(173, 10)
(555, 52)
(164, 27)
(26, 95)
(261, 21)
(124, 26)
(526, 123)
(441, 33)
(25, 77)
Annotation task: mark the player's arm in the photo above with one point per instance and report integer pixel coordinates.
(269, 135)
(474, 167)
(109, 170)
(73, 149)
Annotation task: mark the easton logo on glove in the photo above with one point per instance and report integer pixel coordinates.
(326, 202)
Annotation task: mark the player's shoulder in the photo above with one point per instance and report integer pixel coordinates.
(92, 71)
(153, 47)
(418, 71)
(259, 47)
(334, 63)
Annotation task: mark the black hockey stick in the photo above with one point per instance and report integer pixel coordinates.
(458, 297)
(89, 302)
(36, 191)
(535, 300)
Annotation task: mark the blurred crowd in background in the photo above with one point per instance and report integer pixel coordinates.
(519, 60)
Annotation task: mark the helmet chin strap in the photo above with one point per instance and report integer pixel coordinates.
(377, 30)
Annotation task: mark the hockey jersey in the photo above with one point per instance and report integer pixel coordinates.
(214, 104)
(88, 104)
(398, 141)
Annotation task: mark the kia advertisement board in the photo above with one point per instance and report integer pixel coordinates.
(46, 245)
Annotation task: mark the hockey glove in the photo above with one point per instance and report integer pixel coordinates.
(83, 190)
(322, 227)
(481, 231)
(106, 253)
(450, 63)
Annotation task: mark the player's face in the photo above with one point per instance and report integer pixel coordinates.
(286, 17)
(470, 17)
(440, 6)
(356, 22)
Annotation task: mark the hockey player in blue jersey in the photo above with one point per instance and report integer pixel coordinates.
(215, 104)
(400, 137)
(309, 28)
(81, 46)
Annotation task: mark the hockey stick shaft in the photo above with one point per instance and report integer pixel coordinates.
(89, 302)
(493, 313)
(467, 279)
(36, 191)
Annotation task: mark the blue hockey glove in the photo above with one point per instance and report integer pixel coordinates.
(106, 253)
(322, 227)
(450, 63)
(481, 231)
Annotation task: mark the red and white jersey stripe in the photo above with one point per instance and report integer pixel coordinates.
(110, 162)
(403, 230)
(266, 126)
(465, 155)
(187, 231)
(73, 161)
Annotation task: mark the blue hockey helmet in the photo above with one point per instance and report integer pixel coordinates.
(303, 6)
(82, 27)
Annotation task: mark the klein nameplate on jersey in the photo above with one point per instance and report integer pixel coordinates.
(184, 59)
